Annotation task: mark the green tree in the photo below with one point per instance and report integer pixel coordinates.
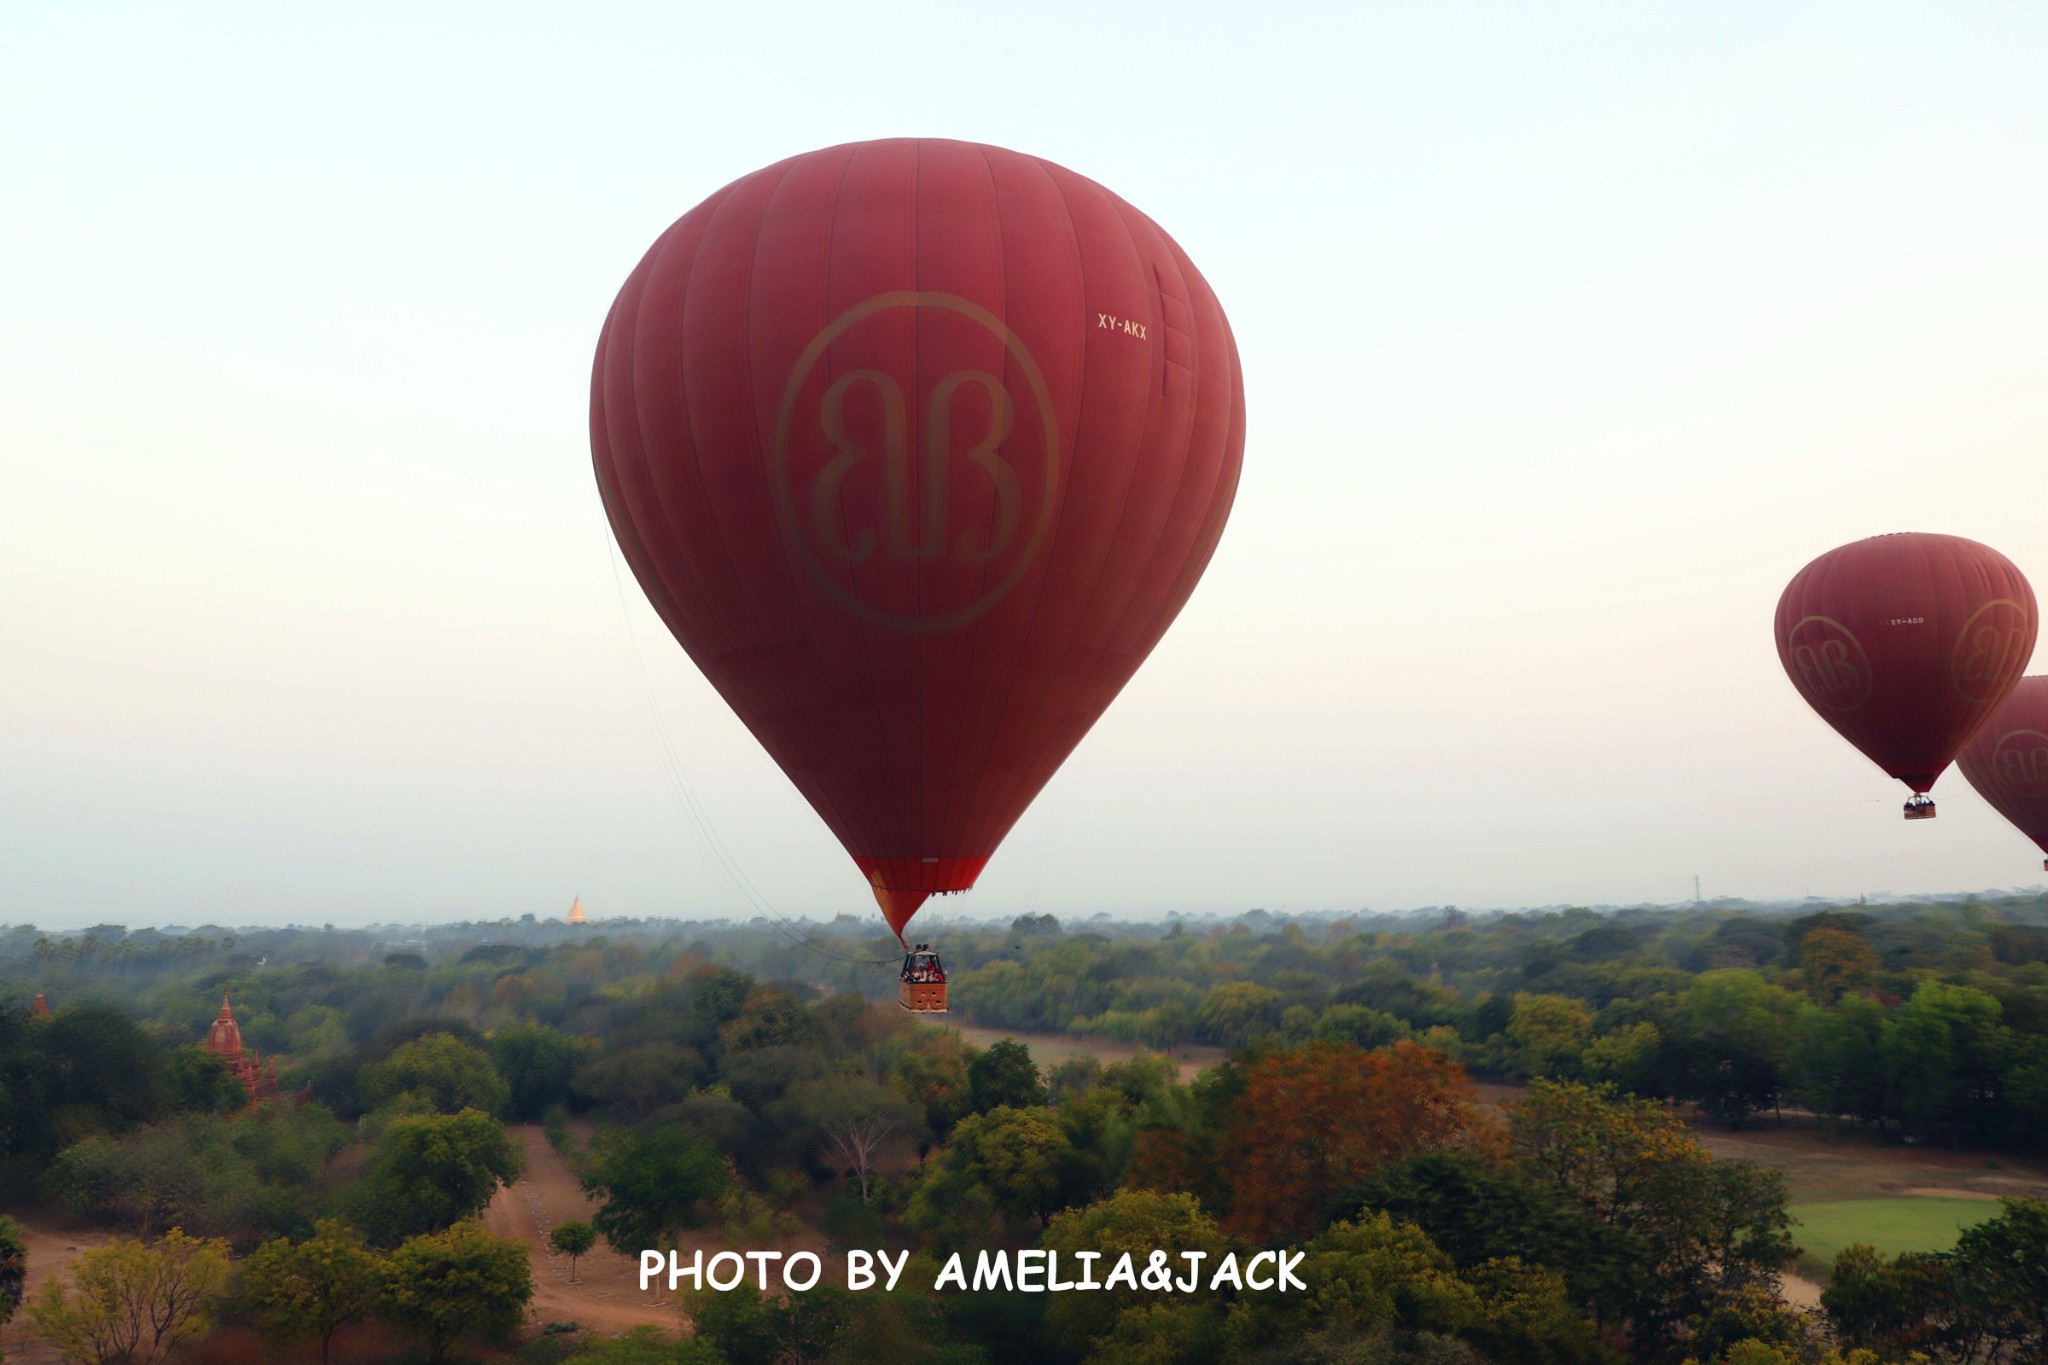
(440, 1070)
(133, 1301)
(642, 1079)
(311, 1290)
(654, 1182)
(202, 1083)
(932, 1073)
(1478, 1209)
(770, 1018)
(97, 1062)
(1004, 1075)
(1835, 1062)
(2001, 1278)
(1236, 1012)
(1133, 1221)
(1625, 1057)
(1730, 1043)
(1018, 1156)
(811, 1323)
(853, 1121)
(647, 1346)
(1384, 1282)
(429, 1171)
(1548, 1033)
(573, 1239)
(537, 1064)
(1944, 1054)
(13, 1267)
(460, 1282)
(1360, 1026)
(1890, 1306)
(1702, 1229)
(1754, 1324)
(1836, 961)
(184, 1172)
(907, 1327)
(742, 1326)
(747, 1329)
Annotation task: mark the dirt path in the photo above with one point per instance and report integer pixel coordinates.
(52, 1250)
(606, 1297)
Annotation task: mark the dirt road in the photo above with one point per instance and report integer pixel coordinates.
(605, 1298)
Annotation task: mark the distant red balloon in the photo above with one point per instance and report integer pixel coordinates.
(1906, 644)
(918, 447)
(2007, 760)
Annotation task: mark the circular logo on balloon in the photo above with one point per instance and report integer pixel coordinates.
(1991, 650)
(917, 460)
(1829, 663)
(2020, 761)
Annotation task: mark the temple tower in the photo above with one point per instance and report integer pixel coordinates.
(224, 1040)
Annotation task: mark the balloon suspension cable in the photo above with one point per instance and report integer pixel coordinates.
(679, 781)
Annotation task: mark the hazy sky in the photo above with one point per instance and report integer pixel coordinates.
(1570, 333)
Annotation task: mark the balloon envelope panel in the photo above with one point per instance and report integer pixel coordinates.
(2007, 760)
(918, 447)
(1906, 644)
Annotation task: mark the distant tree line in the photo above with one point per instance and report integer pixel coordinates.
(1583, 1222)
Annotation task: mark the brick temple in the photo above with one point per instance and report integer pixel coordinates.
(224, 1040)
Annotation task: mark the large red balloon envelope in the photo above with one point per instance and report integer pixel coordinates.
(2007, 760)
(1906, 644)
(918, 447)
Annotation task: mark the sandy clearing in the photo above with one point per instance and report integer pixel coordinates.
(1798, 1291)
(53, 1248)
(1050, 1049)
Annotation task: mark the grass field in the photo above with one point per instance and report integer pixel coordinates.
(1893, 1225)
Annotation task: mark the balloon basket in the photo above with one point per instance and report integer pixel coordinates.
(1920, 808)
(922, 997)
(921, 987)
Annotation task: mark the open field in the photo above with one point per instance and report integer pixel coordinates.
(1849, 1186)
(1824, 1166)
(1050, 1049)
(1892, 1225)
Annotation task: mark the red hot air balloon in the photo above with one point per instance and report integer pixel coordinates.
(1906, 644)
(918, 447)
(2007, 760)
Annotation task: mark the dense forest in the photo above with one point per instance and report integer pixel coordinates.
(744, 1082)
